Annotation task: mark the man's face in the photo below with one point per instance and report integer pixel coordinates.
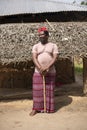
(42, 37)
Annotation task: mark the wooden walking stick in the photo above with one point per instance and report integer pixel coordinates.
(44, 92)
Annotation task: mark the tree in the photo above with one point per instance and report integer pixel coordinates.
(84, 3)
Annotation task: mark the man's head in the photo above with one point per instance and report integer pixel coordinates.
(43, 35)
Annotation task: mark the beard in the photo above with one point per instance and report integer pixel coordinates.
(43, 41)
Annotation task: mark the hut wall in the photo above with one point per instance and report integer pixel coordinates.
(65, 71)
(21, 77)
(16, 77)
(85, 76)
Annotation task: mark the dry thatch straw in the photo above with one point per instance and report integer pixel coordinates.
(16, 40)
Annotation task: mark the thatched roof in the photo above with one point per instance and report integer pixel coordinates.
(16, 40)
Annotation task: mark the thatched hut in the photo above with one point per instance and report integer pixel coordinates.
(16, 41)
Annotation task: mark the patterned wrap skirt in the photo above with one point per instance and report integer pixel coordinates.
(38, 94)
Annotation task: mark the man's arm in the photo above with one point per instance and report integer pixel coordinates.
(38, 66)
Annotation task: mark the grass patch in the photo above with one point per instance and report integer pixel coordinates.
(78, 66)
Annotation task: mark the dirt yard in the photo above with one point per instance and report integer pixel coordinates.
(71, 113)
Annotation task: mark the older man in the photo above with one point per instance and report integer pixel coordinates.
(44, 55)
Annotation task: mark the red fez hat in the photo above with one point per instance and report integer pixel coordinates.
(42, 29)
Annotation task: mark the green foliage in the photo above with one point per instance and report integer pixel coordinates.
(78, 66)
(83, 3)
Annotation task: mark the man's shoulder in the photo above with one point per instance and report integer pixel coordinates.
(37, 44)
(51, 43)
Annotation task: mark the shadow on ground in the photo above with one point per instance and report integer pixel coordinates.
(62, 101)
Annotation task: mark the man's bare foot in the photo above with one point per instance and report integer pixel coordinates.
(33, 113)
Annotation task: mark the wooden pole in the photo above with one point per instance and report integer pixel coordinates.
(50, 25)
(44, 92)
(85, 76)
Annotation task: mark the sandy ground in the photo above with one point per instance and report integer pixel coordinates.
(71, 114)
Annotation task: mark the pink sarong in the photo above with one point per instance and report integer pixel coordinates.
(38, 96)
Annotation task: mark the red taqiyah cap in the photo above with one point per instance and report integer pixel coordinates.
(42, 29)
